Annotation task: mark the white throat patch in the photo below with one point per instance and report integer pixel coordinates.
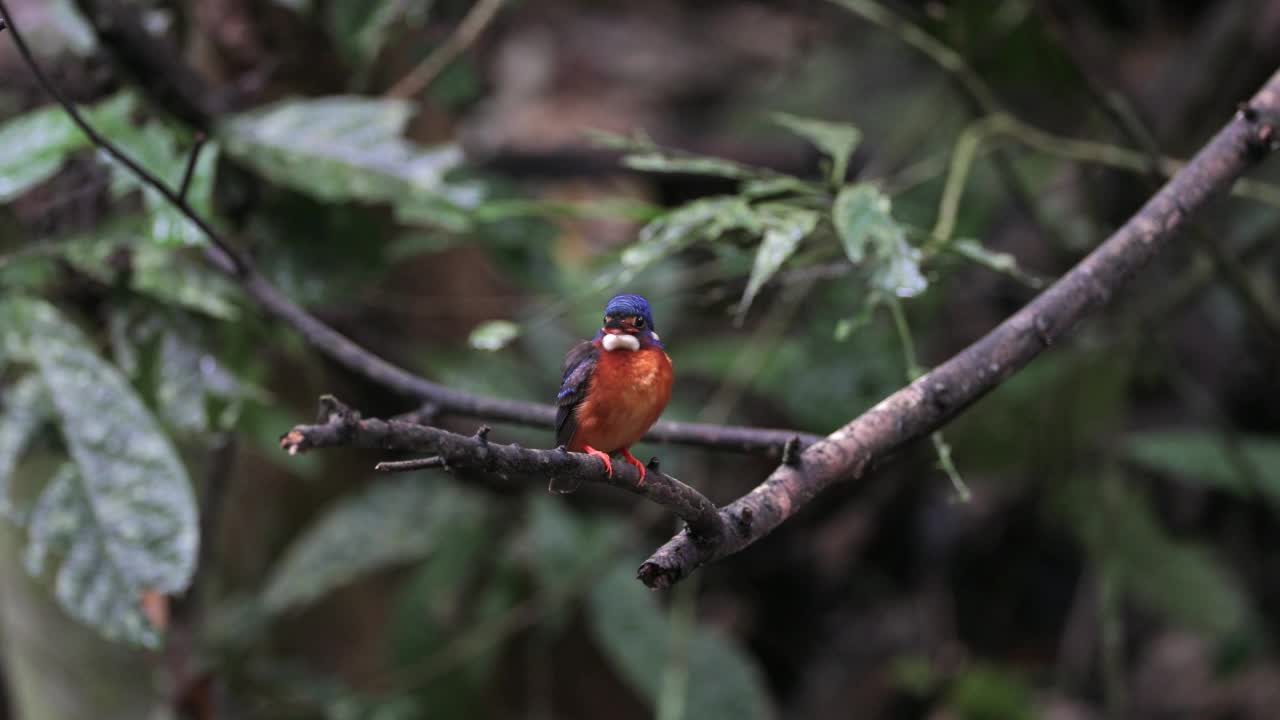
(620, 342)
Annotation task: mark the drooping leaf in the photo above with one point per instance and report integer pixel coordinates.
(350, 149)
(784, 227)
(705, 219)
(724, 681)
(93, 583)
(645, 155)
(33, 146)
(124, 514)
(836, 140)
(864, 221)
(390, 523)
(24, 407)
(862, 217)
(493, 335)
(1204, 457)
(1180, 579)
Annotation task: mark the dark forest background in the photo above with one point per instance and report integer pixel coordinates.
(460, 187)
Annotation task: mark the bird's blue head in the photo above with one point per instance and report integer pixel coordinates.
(630, 315)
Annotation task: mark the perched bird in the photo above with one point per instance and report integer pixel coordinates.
(614, 386)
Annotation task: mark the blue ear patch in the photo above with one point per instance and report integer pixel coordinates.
(630, 305)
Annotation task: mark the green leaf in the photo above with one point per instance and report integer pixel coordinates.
(360, 29)
(124, 514)
(691, 165)
(1204, 457)
(705, 219)
(724, 681)
(33, 146)
(1182, 580)
(493, 335)
(95, 582)
(24, 408)
(846, 327)
(836, 140)
(985, 692)
(347, 148)
(390, 523)
(645, 155)
(784, 228)
(563, 544)
(862, 217)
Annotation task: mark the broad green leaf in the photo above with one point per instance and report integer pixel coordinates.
(705, 219)
(784, 228)
(863, 219)
(493, 335)
(1205, 457)
(724, 681)
(24, 408)
(836, 140)
(94, 582)
(390, 523)
(347, 148)
(125, 514)
(1180, 579)
(33, 146)
(155, 271)
(861, 215)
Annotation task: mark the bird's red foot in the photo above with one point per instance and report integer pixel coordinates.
(626, 453)
(608, 464)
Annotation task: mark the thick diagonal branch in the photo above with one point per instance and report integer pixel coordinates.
(940, 395)
(339, 426)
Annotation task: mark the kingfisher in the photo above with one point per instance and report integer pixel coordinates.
(614, 386)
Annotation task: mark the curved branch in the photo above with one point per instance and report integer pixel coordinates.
(940, 395)
(338, 425)
(223, 256)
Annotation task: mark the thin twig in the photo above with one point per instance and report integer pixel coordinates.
(227, 256)
(190, 170)
(467, 32)
(393, 466)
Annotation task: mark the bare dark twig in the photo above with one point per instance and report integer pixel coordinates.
(426, 463)
(936, 397)
(190, 170)
(339, 426)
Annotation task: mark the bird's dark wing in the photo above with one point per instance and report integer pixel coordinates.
(579, 365)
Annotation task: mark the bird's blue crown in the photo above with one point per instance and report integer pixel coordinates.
(626, 305)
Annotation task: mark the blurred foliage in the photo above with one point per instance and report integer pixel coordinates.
(849, 222)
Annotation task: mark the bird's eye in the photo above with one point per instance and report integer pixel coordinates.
(606, 319)
(639, 323)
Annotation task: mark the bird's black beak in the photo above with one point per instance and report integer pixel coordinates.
(614, 323)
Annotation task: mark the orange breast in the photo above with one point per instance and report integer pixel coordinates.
(628, 392)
